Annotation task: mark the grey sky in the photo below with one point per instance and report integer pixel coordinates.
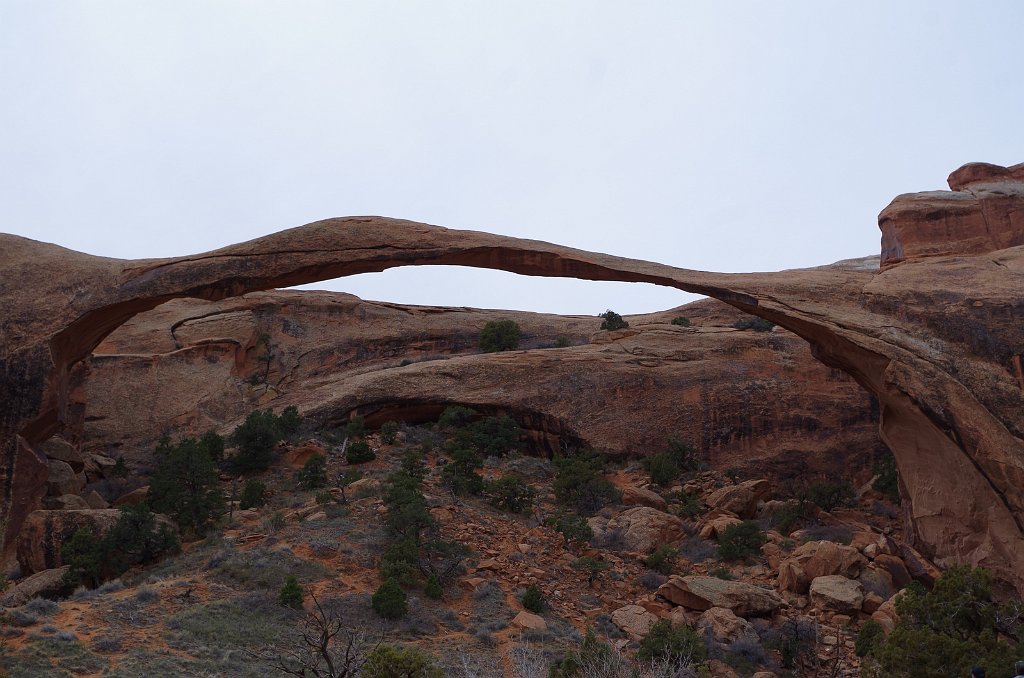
(730, 136)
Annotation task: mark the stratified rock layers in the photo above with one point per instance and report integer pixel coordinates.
(936, 338)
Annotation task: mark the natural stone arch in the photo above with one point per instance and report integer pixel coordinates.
(950, 414)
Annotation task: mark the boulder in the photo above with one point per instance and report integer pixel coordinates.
(817, 559)
(837, 593)
(741, 499)
(877, 580)
(886, 616)
(896, 569)
(94, 500)
(641, 496)
(634, 620)
(724, 626)
(364, 487)
(61, 450)
(136, 496)
(45, 584)
(530, 621)
(98, 466)
(645, 528)
(715, 523)
(62, 479)
(702, 593)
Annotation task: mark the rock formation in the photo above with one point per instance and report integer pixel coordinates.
(936, 336)
(751, 400)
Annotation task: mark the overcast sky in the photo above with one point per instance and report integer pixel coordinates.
(728, 136)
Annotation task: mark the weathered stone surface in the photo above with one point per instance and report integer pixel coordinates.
(837, 593)
(45, 584)
(741, 499)
(645, 528)
(634, 620)
(698, 592)
(94, 500)
(724, 626)
(936, 339)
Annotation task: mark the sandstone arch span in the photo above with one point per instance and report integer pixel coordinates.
(936, 337)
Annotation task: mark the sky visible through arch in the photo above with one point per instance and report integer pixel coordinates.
(728, 136)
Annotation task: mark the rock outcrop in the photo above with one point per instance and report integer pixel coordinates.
(698, 592)
(936, 336)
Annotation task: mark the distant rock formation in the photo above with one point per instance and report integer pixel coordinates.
(937, 338)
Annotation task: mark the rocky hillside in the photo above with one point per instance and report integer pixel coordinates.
(789, 604)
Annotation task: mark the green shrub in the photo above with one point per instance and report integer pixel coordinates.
(828, 496)
(213, 445)
(500, 335)
(580, 483)
(119, 469)
(870, 636)
(663, 559)
(786, 517)
(752, 323)
(612, 321)
(388, 661)
(689, 505)
(510, 493)
(83, 554)
(134, 539)
(949, 629)
(356, 427)
(389, 600)
(685, 455)
(740, 541)
(290, 594)
(562, 341)
(456, 416)
(492, 436)
(407, 514)
(290, 421)
(681, 321)
(359, 452)
(663, 468)
(253, 494)
(184, 485)
(399, 561)
(256, 439)
(389, 432)
(533, 599)
(433, 587)
(573, 528)
(591, 653)
(671, 641)
(887, 482)
(460, 474)
(323, 497)
(313, 474)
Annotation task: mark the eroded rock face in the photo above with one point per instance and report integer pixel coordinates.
(644, 529)
(936, 338)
